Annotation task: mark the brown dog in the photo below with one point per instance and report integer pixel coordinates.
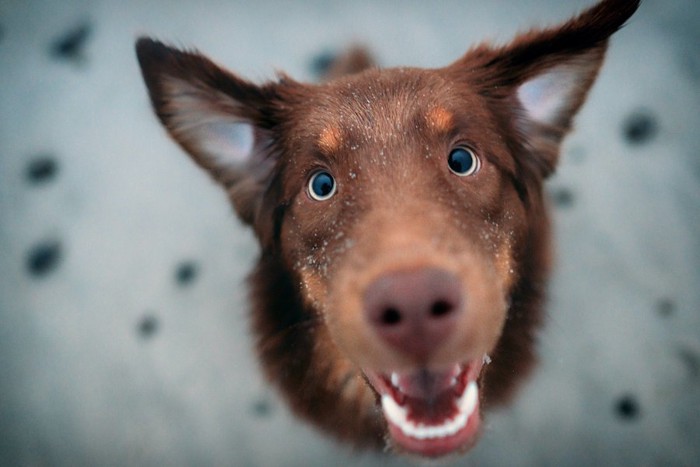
(400, 214)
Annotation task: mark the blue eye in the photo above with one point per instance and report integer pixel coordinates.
(321, 186)
(463, 162)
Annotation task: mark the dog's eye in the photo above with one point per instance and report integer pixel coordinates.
(321, 186)
(463, 162)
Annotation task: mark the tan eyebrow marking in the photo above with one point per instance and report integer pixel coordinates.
(440, 118)
(330, 139)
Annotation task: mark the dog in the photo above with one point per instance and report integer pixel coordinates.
(403, 230)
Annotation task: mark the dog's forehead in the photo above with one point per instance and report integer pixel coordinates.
(380, 106)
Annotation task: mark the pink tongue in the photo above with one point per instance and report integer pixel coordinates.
(426, 384)
(429, 396)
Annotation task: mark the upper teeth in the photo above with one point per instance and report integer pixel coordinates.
(399, 416)
(396, 382)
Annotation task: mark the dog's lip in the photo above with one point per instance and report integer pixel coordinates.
(431, 412)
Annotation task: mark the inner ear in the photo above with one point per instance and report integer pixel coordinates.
(231, 142)
(207, 124)
(551, 96)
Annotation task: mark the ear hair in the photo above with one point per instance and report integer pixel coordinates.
(224, 122)
(539, 81)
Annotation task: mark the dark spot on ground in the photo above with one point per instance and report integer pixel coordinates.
(665, 306)
(627, 407)
(71, 44)
(563, 197)
(640, 127)
(148, 326)
(42, 169)
(186, 273)
(262, 408)
(322, 62)
(691, 361)
(43, 258)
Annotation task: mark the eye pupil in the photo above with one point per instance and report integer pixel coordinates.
(462, 161)
(321, 186)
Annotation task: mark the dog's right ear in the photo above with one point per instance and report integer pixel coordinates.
(224, 122)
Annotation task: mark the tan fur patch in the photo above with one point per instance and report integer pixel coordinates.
(504, 265)
(330, 139)
(440, 118)
(312, 286)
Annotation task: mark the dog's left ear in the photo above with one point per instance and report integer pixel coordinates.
(537, 83)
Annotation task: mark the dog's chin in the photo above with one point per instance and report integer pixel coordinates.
(431, 412)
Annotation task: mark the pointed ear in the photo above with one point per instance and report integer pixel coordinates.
(539, 81)
(224, 122)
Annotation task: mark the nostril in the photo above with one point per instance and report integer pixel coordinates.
(390, 316)
(440, 309)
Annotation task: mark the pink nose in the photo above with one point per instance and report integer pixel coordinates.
(416, 310)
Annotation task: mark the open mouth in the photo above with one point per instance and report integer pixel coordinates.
(431, 412)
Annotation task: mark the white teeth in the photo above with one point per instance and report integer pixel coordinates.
(467, 403)
(399, 416)
(395, 380)
(487, 359)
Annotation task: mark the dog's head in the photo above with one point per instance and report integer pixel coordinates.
(401, 220)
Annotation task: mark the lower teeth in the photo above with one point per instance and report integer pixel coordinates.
(398, 415)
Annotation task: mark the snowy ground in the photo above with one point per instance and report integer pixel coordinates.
(123, 337)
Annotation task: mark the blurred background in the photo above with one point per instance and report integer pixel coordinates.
(123, 320)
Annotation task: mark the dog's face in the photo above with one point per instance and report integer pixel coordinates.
(401, 226)
(417, 181)
(401, 221)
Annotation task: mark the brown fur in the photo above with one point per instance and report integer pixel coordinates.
(385, 136)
